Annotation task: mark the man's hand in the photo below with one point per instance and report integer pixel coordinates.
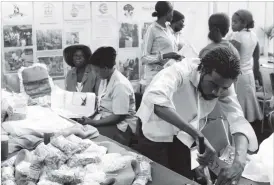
(230, 175)
(208, 156)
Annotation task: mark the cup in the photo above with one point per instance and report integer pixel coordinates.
(4, 147)
(47, 136)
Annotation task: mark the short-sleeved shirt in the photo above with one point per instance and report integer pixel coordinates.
(248, 41)
(117, 97)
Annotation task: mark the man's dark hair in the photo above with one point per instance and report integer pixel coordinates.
(104, 57)
(223, 61)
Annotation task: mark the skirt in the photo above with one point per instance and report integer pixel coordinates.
(246, 93)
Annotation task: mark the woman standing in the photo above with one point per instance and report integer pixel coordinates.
(246, 43)
(218, 28)
(81, 77)
(159, 44)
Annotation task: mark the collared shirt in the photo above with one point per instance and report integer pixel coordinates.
(90, 81)
(184, 77)
(157, 41)
(117, 97)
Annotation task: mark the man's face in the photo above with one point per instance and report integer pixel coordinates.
(213, 85)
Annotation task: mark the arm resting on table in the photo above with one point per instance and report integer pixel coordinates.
(109, 120)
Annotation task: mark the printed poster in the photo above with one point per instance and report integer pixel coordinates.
(76, 10)
(77, 32)
(128, 11)
(104, 24)
(48, 13)
(17, 13)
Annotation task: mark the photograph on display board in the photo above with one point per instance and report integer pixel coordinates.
(16, 58)
(144, 29)
(128, 35)
(129, 68)
(17, 36)
(54, 64)
(49, 39)
(72, 38)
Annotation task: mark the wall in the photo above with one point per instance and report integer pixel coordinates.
(44, 29)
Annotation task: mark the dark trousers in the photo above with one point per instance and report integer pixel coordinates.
(175, 155)
(112, 132)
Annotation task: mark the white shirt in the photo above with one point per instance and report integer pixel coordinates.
(117, 97)
(184, 77)
(248, 41)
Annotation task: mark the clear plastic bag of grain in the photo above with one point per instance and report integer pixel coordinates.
(8, 182)
(53, 157)
(66, 146)
(83, 145)
(36, 168)
(83, 159)
(47, 182)
(9, 162)
(66, 175)
(7, 173)
(143, 165)
(140, 180)
(114, 161)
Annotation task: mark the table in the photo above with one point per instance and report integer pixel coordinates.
(160, 174)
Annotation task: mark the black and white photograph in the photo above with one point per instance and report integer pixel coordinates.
(17, 58)
(128, 35)
(144, 29)
(17, 36)
(129, 68)
(49, 39)
(54, 64)
(17, 12)
(72, 38)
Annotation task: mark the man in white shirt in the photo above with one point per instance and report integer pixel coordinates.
(203, 84)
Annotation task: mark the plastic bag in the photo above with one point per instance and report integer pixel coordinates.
(7, 173)
(66, 146)
(83, 159)
(16, 105)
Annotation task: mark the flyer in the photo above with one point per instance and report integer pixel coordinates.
(48, 13)
(77, 11)
(17, 13)
(77, 32)
(104, 24)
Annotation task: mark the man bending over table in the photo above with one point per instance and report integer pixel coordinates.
(204, 82)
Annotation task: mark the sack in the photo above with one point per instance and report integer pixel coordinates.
(35, 80)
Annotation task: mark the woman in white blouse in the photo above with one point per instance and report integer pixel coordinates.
(159, 44)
